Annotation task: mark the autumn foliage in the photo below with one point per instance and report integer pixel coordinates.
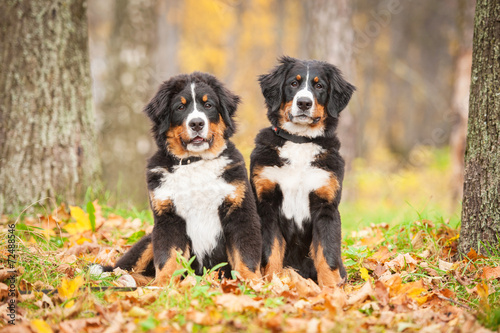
(403, 279)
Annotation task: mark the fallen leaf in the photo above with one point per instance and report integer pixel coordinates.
(381, 293)
(69, 288)
(237, 303)
(137, 312)
(40, 326)
(364, 274)
(82, 221)
(490, 273)
(366, 291)
(445, 266)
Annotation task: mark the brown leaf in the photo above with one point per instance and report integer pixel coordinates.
(445, 266)
(304, 287)
(366, 291)
(379, 270)
(381, 293)
(383, 254)
(473, 255)
(401, 261)
(6, 273)
(237, 303)
(418, 240)
(230, 286)
(79, 325)
(490, 273)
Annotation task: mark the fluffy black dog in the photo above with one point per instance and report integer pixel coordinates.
(198, 186)
(297, 172)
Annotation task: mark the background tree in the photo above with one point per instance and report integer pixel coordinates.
(47, 122)
(481, 203)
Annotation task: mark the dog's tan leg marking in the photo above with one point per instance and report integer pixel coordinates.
(238, 265)
(164, 274)
(275, 261)
(144, 259)
(326, 276)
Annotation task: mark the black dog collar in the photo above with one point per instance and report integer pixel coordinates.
(187, 160)
(291, 137)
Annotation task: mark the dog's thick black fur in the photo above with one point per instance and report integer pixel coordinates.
(297, 172)
(198, 186)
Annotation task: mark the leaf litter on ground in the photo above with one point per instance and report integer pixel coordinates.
(400, 279)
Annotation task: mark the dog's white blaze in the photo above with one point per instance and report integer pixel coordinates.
(297, 179)
(197, 114)
(304, 92)
(197, 190)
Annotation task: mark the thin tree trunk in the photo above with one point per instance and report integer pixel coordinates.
(481, 204)
(47, 140)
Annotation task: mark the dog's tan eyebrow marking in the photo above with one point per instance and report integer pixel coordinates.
(316, 79)
(205, 98)
(183, 100)
(298, 77)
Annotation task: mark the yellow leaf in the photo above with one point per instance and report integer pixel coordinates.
(40, 326)
(82, 221)
(82, 240)
(364, 274)
(69, 304)
(136, 311)
(68, 287)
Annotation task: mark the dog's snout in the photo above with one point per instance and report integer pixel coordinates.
(197, 124)
(304, 103)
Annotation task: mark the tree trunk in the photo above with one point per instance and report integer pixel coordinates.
(130, 79)
(481, 203)
(330, 37)
(47, 128)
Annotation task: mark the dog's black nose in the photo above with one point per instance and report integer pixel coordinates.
(304, 103)
(197, 124)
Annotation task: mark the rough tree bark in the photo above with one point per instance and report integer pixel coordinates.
(47, 141)
(460, 97)
(481, 203)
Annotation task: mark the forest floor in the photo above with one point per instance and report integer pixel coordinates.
(401, 278)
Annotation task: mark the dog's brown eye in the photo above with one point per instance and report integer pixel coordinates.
(318, 86)
(294, 84)
(208, 105)
(181, 107)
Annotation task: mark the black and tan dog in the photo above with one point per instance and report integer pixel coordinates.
(198, 186)
(297, 172)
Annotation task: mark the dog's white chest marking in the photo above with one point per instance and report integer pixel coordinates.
(297, 178)
(197, 190)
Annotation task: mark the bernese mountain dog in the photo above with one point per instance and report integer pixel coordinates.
(198, 187)
(297, 171)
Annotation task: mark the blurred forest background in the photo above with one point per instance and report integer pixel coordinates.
(403, 134)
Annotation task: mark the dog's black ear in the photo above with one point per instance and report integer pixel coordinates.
(157, 110)
(272, 84)
(229, 103)
(340, 92)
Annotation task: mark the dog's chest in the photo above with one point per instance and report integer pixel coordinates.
(197, 190)
(297, 178)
